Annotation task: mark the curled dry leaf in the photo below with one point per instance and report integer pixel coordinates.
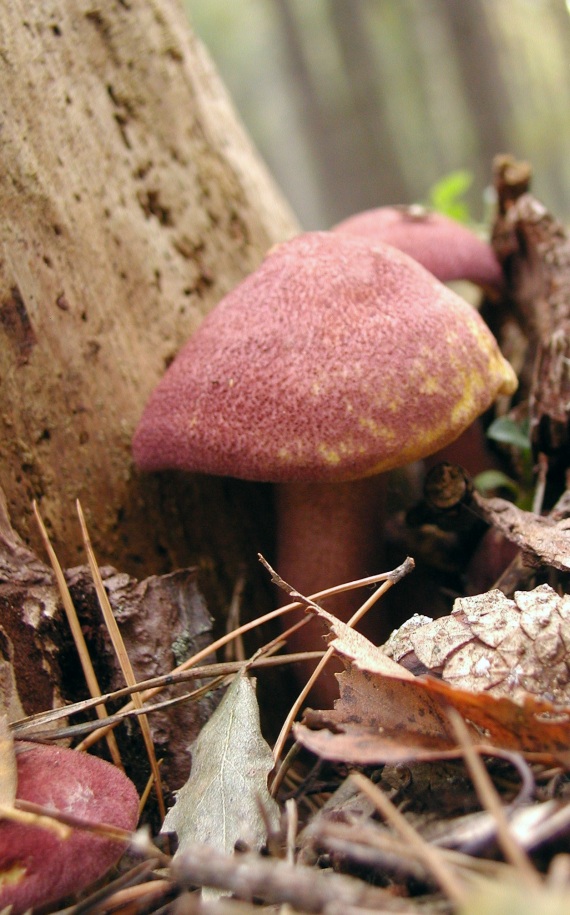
(490, 648)
(545, 538)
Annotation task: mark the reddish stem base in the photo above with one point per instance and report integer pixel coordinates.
(327, 534)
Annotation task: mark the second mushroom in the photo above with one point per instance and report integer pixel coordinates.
(332, 363)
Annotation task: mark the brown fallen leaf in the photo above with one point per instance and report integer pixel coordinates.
(545, 539)
(386, 715)
(381, 720)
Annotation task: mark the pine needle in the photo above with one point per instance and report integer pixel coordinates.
(487, 794)
(428, 854)
(246, 627)
(122, 656)
(75, 627)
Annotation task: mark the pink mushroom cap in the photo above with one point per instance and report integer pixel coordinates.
(443, 246)
(36, 866)
(334, 360)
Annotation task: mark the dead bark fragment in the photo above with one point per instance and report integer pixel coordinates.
(30, 627)
(542, 539)
(534, 250)
(163, 620)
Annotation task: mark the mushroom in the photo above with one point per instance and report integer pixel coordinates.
(452, 252)
(36, 866)
(330, 364)
(442, 245)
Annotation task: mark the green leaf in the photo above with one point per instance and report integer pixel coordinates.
(506, 430)
(489, 480)
(445, 195)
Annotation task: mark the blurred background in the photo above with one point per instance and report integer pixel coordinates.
(359, 103)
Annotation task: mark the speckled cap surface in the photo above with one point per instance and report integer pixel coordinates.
(36, 865)
(442, 245)
(333, 361)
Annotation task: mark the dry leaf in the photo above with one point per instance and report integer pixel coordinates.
(221, 801)
(392, 716)
(538, 536)
(383, 720)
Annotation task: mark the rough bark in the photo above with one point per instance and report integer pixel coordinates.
(131, 201)
(163, 620)
(30, 627)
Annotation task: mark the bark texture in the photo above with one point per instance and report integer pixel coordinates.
(131, 200)
(163, 620)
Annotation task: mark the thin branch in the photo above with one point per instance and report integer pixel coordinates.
(23, 726)
(77, 633)
(122, 655)
(246, 627)
(389, 579)
(249, 876)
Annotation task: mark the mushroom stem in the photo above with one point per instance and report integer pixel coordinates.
(327, 534)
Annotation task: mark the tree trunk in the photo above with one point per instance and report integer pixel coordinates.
(326, 157)
(373, 152)
(470, 28)
(131, 201)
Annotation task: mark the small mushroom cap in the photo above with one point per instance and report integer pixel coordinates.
(335, 360)
(36, 866)
(443, 246)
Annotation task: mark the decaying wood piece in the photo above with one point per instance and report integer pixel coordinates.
(534, 249)
(131, 201)
(30, 628)
(452, 504)
(163, 620)
(542, 539)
